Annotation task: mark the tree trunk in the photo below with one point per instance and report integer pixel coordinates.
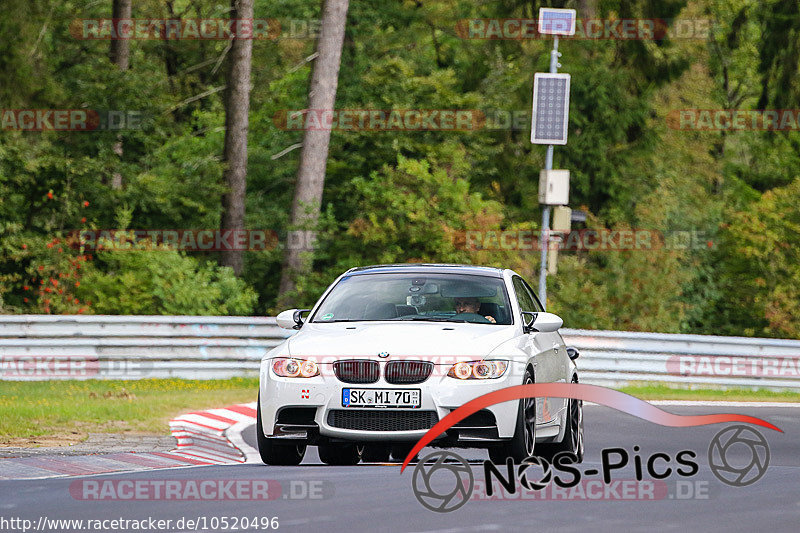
(314, 154)
(237, 107)
(587, 9)
(120, 48)
(119, 54)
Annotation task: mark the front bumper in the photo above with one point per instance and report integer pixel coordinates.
(319, 396)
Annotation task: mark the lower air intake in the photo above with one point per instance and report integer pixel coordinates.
(382, 420)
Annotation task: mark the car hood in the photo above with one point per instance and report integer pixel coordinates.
(368, 339)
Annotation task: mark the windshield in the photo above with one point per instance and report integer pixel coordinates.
(423, 297)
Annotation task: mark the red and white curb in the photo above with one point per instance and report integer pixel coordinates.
(215, 435)
(210, 437)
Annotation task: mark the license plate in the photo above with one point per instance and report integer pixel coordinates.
(381, 397)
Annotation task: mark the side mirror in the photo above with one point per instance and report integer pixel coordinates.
(291, 319)
(540, 322)
(572, 352)
(547, 322)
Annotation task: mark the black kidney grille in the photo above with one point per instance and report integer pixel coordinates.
(381, 419)
(357, 371)
(408, 372)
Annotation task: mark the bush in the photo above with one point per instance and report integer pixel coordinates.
(161, 281)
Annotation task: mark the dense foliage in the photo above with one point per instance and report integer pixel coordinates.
(397, 196)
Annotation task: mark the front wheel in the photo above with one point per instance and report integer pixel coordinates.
(573, 434)
(522, 443)
(274, 452)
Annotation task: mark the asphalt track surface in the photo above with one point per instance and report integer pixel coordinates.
(379, 498)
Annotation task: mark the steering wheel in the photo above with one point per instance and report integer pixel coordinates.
(472, 317)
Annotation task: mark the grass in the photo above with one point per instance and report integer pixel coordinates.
(63, 412)
(648, 391)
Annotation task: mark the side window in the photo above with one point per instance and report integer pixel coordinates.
(524, 297)
(536, 302)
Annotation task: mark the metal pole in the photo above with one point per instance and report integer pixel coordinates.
(548, 165)
(543, 241)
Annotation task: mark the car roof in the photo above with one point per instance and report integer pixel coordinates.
(439, 268)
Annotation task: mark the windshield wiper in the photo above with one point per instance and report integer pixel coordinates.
(412, 318)
(432, 319)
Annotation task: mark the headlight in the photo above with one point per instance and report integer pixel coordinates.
(478, 370)
(295, 368)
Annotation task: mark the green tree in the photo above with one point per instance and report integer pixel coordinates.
(760, 268)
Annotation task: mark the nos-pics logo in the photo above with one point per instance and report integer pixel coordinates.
(443, 481)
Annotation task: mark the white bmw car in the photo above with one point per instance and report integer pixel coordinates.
(389, 350)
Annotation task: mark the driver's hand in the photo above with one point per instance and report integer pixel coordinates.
(490, 319)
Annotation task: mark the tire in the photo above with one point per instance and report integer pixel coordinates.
(573, 435)
(523, 442)
(277, 453)
(376, 453)
(340, 454)
(401, 451)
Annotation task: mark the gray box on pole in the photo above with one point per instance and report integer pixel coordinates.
(554, 187)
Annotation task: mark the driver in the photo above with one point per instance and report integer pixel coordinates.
(471, 305)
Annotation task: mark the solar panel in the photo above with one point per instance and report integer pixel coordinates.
(550, 108)
(556, 21)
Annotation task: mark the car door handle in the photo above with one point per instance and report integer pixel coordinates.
(555, 347)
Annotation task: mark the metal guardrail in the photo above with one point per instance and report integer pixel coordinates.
(617, 357)
(41, 347)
